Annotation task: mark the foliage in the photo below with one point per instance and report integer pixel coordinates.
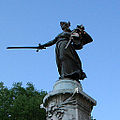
(19, 103)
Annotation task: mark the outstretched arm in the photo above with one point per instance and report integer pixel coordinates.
(50, 43)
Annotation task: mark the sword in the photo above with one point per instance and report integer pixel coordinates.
(39, 47)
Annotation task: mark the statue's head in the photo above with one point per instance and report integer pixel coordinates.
(65, 25)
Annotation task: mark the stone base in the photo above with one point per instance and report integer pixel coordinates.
(67, 101)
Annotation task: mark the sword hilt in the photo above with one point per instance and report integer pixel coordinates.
(40, 47)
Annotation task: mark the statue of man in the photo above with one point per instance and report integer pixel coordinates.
(67, 42)
(67, 59)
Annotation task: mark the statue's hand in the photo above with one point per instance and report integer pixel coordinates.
(42, 46)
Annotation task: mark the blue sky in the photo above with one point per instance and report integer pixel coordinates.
(29, 22)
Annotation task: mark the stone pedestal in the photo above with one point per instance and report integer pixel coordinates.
(67, 101)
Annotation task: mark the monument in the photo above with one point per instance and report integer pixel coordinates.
(68, 101)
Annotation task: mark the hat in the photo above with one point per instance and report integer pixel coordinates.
(64, 24)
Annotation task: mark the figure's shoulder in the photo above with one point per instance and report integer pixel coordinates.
(60, 34)
(63, 34)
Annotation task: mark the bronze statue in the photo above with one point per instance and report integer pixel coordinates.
(67, 42)
(67, 59)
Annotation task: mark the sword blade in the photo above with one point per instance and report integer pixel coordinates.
(23, 48)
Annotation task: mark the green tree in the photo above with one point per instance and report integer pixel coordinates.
(19, 103)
